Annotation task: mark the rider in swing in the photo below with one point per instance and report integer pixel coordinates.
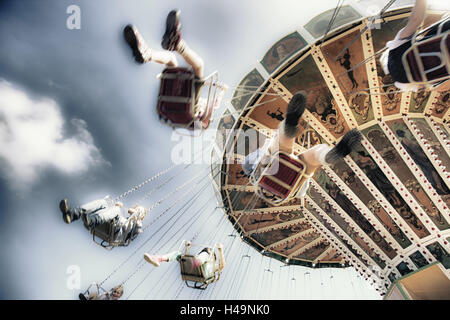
(202, 257)
(172, 41)
(114, 294)
(391, 59)
(99, 212)
(314, 157)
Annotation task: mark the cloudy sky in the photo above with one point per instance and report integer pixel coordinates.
(77, 120)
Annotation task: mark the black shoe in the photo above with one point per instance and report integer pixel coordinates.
(82, 297)
(172, 36)
(295, 109)
(348, 142)
(135, 41)
(64, 207)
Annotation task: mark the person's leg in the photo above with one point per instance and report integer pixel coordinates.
(323, 154)
(288, 128)
(157, 259)
(164, 57)
(173, 41)
(143, 53)
(71, 214)
(68, 215)
(315, 156)
(101, 216)
(192, 58)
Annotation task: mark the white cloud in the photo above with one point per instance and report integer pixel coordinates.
(32, 138)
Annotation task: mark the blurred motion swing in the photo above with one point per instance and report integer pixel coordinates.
(278, 178)
(179, 98)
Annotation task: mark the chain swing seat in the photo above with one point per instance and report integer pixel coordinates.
(198, 277)
(104, 235)
(94, 287)
(427, 61)
(279, 181)
(178, 96)
(281, 176)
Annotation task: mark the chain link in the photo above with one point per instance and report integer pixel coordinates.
(137, 187)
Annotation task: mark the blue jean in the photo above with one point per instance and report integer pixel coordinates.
(96, 212)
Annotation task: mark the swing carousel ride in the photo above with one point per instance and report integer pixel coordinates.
(384, 209)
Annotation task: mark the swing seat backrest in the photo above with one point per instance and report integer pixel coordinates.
(88, 295)
(211, 83)
(201, 276)
(280, 180)
(428, 60)
(188, 269)
(176, 99)
(106, 233)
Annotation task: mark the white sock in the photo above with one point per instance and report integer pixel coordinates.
(323, 150)
(181, 46)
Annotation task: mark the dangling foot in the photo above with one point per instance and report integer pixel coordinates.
(64, 207)
(153, 259)
(294, 112)
(82, 297)
(87, 221)
(172, 36)
(295, 108)
(344, 147)
(141, 51)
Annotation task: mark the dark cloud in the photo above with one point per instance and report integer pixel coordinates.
(91, 75)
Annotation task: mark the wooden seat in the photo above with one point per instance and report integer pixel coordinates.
(280, 181)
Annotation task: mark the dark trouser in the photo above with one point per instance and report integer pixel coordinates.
(94, 213)
(395, 63)
(289, 130)
(433, 30)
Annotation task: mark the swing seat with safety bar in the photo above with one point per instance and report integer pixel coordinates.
(178, 96)
(427, 61)
(104, 235)
(281, 179)
(86, 294)
(198, 277)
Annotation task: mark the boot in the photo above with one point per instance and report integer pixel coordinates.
(295, 110)
(348, 142)
(172, 36)
(141, 51)
(153, 259)
(65, 209)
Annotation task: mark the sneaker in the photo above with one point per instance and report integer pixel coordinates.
(172, 36)
(152, 259)
(86, 220)
(64, 207)
(344, 147)
(295, 108)
(82, 297)
(141, 51)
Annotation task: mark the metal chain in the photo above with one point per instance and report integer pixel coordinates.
(137, 187)
(156, 204)
(154, 220)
